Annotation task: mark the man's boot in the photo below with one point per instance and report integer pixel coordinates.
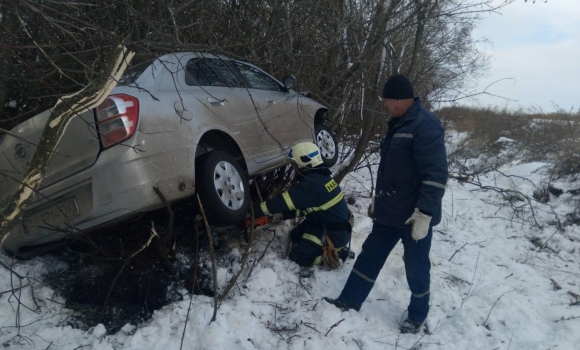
(411, 327)
(339, 304)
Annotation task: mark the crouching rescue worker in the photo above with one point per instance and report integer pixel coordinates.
(323, 236)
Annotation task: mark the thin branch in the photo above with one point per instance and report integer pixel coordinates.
(261, 256)
(14, 289)
(501, 296)
(334, 325)
(457, 251)
(213, 264)
(193, 283)
(169, 237)
(244, 258)
(311, 327)
(464, 246)
(161, 243)
(127, 260)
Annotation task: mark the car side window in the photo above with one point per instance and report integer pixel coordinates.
(256, 78)
(210, 72)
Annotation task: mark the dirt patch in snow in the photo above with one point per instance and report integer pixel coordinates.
(96, 289)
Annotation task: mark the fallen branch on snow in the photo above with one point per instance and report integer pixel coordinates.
(334, 325)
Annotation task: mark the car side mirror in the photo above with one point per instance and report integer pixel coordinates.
(289, 82)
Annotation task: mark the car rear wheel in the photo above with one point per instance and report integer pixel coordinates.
(326, 141)
(223, 188)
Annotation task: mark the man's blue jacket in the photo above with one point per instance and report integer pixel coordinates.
(413, 169)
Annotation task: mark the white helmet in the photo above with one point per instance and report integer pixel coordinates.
(306, 155)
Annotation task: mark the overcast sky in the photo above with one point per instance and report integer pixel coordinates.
(539, 46)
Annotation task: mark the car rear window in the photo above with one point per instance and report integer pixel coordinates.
(134, 73)
(210, 72)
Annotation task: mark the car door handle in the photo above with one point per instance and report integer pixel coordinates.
(270, 102)
(215, 101)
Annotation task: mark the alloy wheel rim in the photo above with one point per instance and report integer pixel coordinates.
(325, 142)
(229, 185)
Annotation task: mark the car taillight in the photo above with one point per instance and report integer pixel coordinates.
(117, 119)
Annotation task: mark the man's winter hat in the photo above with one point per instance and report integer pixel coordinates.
(398, 87)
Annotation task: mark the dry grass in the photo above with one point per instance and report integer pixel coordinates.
(552, 137)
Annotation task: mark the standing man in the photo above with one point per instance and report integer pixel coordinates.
(410, 185)
(323, 235)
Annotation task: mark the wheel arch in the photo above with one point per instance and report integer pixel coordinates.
(320, 116)
(217, 140)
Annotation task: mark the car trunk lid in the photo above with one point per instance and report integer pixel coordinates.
(78, 149)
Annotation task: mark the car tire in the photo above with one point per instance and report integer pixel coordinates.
(326, 141)
(223, 188)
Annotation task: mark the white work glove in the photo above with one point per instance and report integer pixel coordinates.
(277, 218)
(420, 224)
(371, 210)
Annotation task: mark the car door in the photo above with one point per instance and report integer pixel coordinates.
(211, 83)
(280, 108)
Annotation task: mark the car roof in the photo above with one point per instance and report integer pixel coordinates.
(194, 54)
(176, 61)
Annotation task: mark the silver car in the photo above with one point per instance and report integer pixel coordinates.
(184, 123)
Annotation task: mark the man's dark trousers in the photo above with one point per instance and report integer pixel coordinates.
(369, 263)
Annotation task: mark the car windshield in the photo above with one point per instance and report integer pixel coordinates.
(134, 72)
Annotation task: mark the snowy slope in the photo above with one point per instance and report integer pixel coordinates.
(491, 288)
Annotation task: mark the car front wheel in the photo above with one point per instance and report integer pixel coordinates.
(223, 188)
(326, 141)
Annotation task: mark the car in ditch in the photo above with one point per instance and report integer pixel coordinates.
(183, 123)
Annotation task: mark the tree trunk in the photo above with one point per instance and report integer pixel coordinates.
(64, 111)
(421, 11)
(369, 114)
(9, 22)
(363, 141)
(375, 39)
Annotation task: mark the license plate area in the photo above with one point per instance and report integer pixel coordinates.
(52, 216)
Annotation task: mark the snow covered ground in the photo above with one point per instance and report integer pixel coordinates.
(492, 287)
